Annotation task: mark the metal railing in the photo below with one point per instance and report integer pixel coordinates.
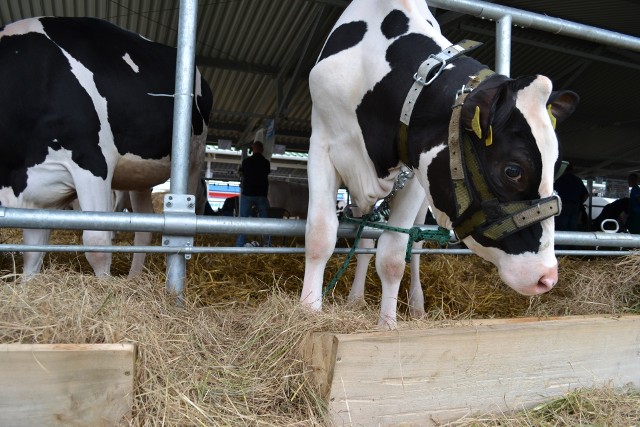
(155, 223)
(183, 225)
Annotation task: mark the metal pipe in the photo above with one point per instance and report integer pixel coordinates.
(126, 221)
(521, 18)
(503, 45)
(597, 238)
(269, 250)
(185, 66)
(77, 220)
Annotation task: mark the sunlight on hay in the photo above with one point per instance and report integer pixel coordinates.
(231, 355)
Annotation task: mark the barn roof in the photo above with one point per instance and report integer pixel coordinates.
(256, 54)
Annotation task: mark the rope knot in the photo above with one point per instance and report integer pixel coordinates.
(373, 220)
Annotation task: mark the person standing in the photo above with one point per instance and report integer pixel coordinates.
(573, 194)
(633, 222)
(254, 173)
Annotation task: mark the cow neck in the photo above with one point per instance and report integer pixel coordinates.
(427, 73)
(480, 211)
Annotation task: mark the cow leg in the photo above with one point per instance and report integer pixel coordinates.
(416, 295)
(356, 293)
(140, 203)
(32, 261)
(322, 224)
(390, 263)
(94, 195)
(99, 261)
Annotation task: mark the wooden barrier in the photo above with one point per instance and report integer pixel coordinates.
(66, 384)
(432, 376)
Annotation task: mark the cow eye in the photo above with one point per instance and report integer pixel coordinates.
(514, 173)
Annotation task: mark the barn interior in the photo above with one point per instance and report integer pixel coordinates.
(238, 362)
(256, 55)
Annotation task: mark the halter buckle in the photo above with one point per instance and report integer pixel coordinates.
(464, 89)
(423, 80)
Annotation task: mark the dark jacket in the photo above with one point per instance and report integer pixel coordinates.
(571, 189)
(255, 171)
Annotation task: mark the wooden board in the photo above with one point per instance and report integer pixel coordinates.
(66, 384)
(431, 376)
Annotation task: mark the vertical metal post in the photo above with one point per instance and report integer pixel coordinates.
(185, 64)
(503, 45)
(590, 203)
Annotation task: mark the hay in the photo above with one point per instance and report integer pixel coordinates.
(231, 355)
(605, 406)
(197, 365)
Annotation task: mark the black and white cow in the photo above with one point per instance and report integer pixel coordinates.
(416, 294)
(490, 178)
(87, 107)
(291, 196)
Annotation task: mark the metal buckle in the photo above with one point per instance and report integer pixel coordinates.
(464, 89)
(421, 80)
(557, 196)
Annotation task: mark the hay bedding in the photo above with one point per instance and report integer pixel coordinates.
(231, 356)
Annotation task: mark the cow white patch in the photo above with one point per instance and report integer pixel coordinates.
(23, 27)
(425, 161)
(532, 101)
(85, 78)
(130, 62)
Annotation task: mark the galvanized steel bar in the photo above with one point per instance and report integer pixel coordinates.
(76, 220)
(25, 218)
(535, 21)
(185, 66)
(185, 71)
(126, 221)
(503, 45)
(272, 250)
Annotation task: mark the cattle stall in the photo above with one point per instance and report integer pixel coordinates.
(183, 224)
(179, 224)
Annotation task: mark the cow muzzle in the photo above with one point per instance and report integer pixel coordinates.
(529, 280)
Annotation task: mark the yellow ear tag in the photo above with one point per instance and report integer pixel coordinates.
(475, 123)
(489, 140)
(551, 116)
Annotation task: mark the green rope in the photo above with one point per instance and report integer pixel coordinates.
(416, 234)
(345, 264)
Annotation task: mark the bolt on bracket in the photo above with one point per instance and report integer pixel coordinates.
(179, 222)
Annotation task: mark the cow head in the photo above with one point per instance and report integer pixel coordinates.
(509, 150)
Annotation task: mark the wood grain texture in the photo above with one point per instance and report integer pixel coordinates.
(430, 376)
(66, 384)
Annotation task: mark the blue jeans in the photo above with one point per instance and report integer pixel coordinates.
(246, 206)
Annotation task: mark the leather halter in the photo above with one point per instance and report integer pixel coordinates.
(428, 71)
(477, 211)
(481, 211)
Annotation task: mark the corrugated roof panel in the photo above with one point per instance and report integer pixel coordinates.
(243, 45)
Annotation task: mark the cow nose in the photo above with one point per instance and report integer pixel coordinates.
(547, 281)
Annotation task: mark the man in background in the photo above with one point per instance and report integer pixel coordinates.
(573, 194)
(254, 171)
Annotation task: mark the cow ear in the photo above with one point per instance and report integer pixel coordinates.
(478, 111)
(561, 105)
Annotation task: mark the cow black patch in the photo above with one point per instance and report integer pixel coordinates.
(513, 144)
(43, 105)
(140, 105)
(379, 112)
(395, 24)
(344, 37)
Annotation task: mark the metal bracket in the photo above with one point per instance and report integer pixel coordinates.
(179, 222)
(464, 89)
(442, 63)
